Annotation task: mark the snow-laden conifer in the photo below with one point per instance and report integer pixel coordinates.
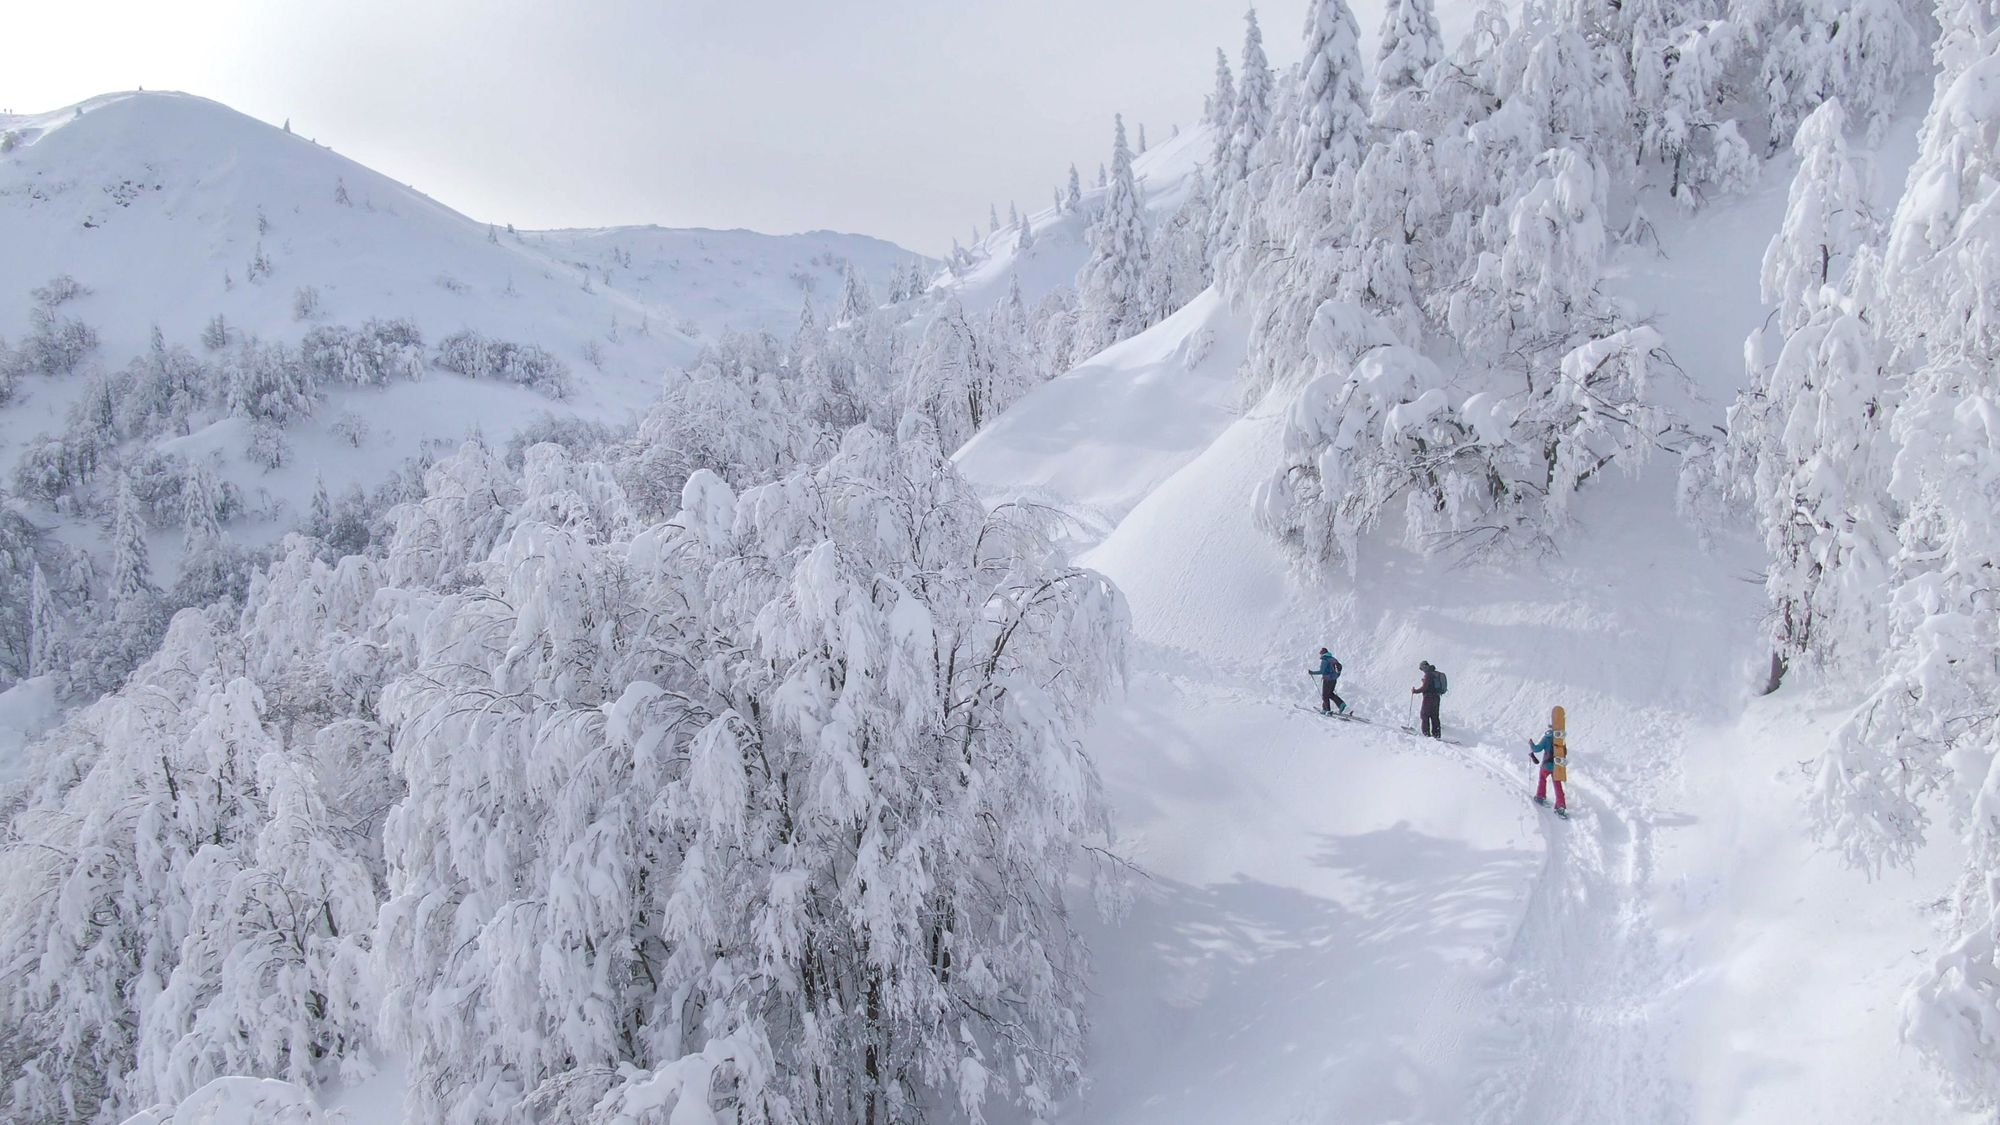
(1410, 45)
(1116, 302)
(1221, 104)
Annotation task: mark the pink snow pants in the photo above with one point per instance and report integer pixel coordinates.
(1542, 789)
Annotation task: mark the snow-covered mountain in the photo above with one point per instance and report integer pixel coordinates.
(176, 214)
(172, 210)
(910, 718)
(187, 289)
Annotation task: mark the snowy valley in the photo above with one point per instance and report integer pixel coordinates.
(458, 674)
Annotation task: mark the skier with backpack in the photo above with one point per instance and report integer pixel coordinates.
(1329, 674)
(1431, 689)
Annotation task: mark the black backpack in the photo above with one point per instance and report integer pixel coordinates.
(1437, 676)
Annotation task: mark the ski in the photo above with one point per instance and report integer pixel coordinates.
(1413, 732)
(1348, 715)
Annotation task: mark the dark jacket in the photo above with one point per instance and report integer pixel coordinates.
(1429, 689)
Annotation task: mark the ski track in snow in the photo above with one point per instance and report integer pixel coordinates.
(1585, 1013)
(1586, 1007)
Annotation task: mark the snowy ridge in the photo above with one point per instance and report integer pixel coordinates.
(191, 190)
(725, 280)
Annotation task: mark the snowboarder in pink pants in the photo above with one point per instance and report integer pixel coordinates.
(1551, 752)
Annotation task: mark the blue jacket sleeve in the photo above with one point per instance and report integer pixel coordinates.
(1546, 744)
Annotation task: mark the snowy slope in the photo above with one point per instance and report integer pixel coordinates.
(26, 710)
(1165, 174)
(1345, 923)
(1098, 438)
(1330, 905)
(720, 280)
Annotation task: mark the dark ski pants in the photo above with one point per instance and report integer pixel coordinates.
(1327, 699)
(1542, 789)
(1433, 726)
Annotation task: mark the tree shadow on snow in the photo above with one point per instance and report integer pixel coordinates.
(1251, 1001)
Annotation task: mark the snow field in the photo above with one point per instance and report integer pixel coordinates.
(1326, 910)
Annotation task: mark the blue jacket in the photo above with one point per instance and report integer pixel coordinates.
(1546, 748)
(1326, 663)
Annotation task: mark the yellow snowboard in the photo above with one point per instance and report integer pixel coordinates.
(1558, 722)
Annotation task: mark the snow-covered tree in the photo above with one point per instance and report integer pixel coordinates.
(164, 389)
(319, 512)
(1251, 117)
(1073, 194)
(1285, 233)
(1054, 331)
(268, 383)
(965, 373)
(1826, 221)
(856, 302)
(1926, 740)
(1181, 264)
(1221, 105)
(789, 869)
(1810, 436)
(1410, 46)
(1682, 126)
(207, 570)
(220, 922)
(1384, 433)
(44, 626)
(1860, 53)
(131, 570)
(1332, 114)
(1540, 283)
(1114, 296)
(1407, 229)
(1807, 439)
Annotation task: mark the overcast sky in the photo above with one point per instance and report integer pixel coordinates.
(900, 118)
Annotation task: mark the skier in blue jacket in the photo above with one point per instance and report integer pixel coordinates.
(1329, 674)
